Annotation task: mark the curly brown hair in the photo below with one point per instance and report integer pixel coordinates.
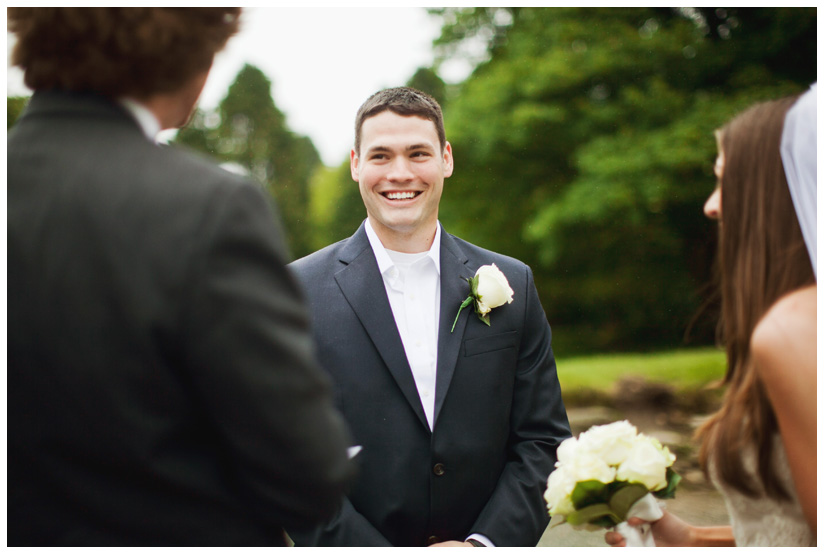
(118, 52)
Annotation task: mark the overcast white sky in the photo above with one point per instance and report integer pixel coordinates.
(323, 63)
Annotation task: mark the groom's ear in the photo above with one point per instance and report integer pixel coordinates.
(353, 164)
(447, 158)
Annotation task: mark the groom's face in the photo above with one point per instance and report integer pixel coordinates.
(400, 170)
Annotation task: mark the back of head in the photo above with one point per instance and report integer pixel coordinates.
(135, 52)
(404, 101)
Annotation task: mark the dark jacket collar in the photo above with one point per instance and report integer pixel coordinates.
(78, 104)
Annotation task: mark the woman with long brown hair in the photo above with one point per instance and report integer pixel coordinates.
(759, 449)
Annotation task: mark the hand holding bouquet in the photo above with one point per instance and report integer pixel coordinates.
(604, 473)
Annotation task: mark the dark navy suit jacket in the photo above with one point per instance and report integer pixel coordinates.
(499, 415)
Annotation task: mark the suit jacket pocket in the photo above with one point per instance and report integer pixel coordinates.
(497, 342)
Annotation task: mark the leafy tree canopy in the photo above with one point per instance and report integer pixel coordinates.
(584, 145)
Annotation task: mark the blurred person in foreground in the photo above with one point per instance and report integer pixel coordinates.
(760, 448)
(459, 418)
(161, 384)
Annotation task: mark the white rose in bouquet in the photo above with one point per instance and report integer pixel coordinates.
(566, 451)
(587, 466)
(646, 464)
(611, 442)
(559, 487)
(668, 457)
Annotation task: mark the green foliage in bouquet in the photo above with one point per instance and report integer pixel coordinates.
(606, 505)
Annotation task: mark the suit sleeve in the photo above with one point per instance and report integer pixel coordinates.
(348, 528)
(248, 352)
(516, 514)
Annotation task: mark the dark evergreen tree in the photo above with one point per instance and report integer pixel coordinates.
(248, 130)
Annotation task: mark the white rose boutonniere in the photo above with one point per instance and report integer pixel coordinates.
(489, 289)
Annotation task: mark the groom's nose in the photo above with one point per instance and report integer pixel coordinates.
(399, 170)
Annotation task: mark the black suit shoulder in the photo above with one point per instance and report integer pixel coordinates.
(320, 257)
(517, 272)
(102, 145)
(474, 252)
(322, 263)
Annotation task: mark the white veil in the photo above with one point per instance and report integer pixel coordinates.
(799, 158)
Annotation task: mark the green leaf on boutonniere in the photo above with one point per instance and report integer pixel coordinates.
(464, 305)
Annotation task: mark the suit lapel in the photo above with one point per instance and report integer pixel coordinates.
(362, 285)
(454, 289)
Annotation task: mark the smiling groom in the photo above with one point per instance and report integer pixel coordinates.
(459, 428)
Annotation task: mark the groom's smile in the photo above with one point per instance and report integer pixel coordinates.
(401, 195)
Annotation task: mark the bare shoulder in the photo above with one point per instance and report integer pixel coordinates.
(787, 332)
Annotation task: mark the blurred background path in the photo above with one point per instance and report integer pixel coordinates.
(656, 410)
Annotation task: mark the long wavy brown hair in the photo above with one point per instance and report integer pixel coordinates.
(762, 256)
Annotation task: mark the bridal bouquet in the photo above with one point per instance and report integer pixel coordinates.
(607, 475)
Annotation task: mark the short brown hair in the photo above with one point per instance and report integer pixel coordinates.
(404, 101)
(117, 52)
(762, 257)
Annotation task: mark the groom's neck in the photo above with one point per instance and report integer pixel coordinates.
(414, 241)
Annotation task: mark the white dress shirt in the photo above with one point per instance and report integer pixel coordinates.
(413, 285)
(145, 118)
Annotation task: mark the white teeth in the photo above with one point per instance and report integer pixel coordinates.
(401, 196)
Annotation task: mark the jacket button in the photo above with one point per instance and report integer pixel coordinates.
(439, 469)
(432, 539)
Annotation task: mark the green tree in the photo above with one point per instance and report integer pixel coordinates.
(248, 130)
(14, 107)
(336, 208)
(426, 79)
(583, 144)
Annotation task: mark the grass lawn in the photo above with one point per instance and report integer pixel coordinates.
(683, 369)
